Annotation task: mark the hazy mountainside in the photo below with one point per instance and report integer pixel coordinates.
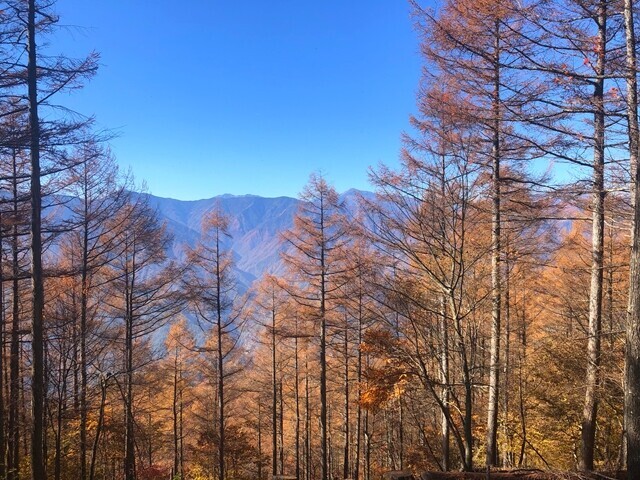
(255, 227)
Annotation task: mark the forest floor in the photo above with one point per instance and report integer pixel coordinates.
(523, 475)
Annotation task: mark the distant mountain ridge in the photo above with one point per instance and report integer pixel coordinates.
(255, 228)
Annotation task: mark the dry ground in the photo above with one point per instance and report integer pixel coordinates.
(523, 475)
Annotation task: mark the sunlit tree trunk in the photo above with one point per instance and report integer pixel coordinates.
(632, 349)
(590, 410)
(496, 251)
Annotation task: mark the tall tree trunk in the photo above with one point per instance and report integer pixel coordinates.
(367, 447)
(59, 421)
(14, 359)
(219, 326)
(307, 421)
(632, 349)
(129, 455)
(37, 280)
(84, 294)
(181, 431)
(175, 412)
(259, 440)
(281, 433)
(356, 466)
(589, 413)
(3, 441)
(496, 251)
(346, 431)
(324, 426)
(508, 450)
(297, 400)
(444, 377)
(274, 395)
(96, 439)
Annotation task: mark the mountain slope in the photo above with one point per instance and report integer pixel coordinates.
(255, 228)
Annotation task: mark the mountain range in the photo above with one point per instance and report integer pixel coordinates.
(256, 225)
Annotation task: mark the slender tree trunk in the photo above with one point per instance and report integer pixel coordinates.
(590, 410)
(347, 420)
(59, 422)
(281, 433)
(3, 440)
(14, 361)
(307, 428)
(356, 469)
(129, 456)
(175, 412)
(96, 439)
(632, 348)
(84, 294)
(324, 426)
(182, 435)
(274, 395)
(367, 447)
(444, 377)
(496, 251)
(508, 451)
(37, 279)
(297, 400)
(219, 326)
(467, 441)
(259, 440)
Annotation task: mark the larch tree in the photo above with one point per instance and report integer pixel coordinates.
(98, 195)
(314, 255)
(424, 222)
(272, 304)
(145, 296)
(214, 298)
(469, 46)
(576, 57)
(45, 140)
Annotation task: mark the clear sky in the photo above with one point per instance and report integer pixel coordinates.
(246, 96)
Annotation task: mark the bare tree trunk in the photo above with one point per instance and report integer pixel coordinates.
(83, 334)
(96, 440)
(324, 426)
(274, 396)
(37, 279)
(3, 441)
(259, 440)
(129, 455)
(508, 450)
(589, 413)
(346, 445)
(182, 435)
(496, 251)
(281, 433)
(59, 421)
(356, 470)
(444, 377)
(632, 349)
(297, 400)
(219, 326)
(307, 414)
(367, 447)
(14, 361)
(175, 412)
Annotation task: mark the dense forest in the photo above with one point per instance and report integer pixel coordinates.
(482, 308)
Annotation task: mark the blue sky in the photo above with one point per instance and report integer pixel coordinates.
(225, 96)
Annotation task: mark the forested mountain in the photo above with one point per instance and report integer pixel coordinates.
(255, 230)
